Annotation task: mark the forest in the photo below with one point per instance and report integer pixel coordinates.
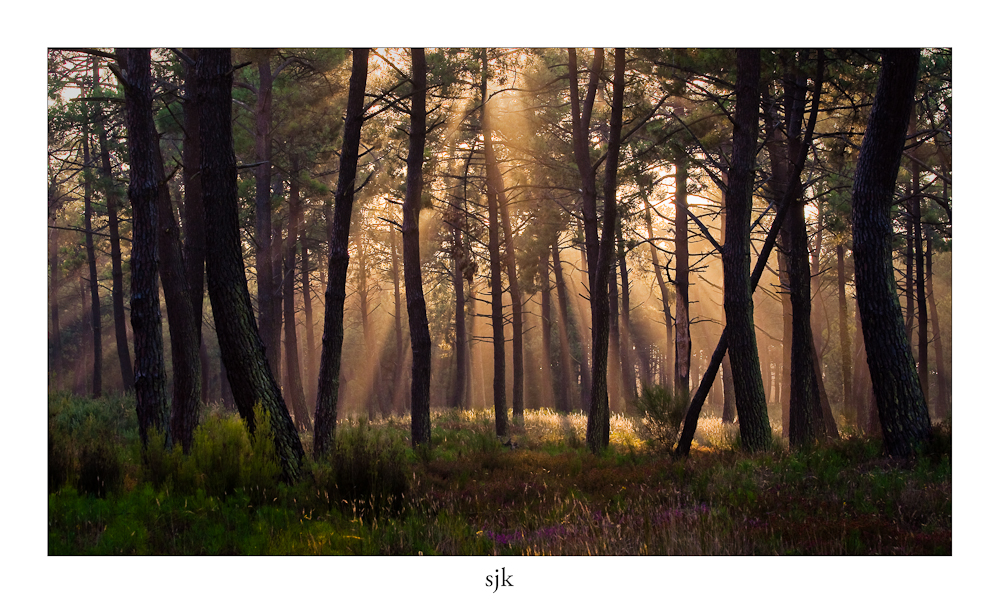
(499, 301)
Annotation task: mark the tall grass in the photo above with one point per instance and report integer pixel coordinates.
(473, 494)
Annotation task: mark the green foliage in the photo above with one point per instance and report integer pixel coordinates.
(661, 415)
(367, 472)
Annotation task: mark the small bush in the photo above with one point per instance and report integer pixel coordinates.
(101, 469)
(661, 415)
(368, 470)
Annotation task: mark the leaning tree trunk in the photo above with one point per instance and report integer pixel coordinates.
(755, 430)
(336, 285)
(416, 307)
(150, 375)
(247, 369)
(901, 406)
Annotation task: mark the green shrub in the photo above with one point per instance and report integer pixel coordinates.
(368, 470)
(661, 415)
(101, 469)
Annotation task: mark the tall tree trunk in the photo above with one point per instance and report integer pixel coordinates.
(755, 430)
(599, 416)
(923, 370)
(850, 406)
(459, 262)
(568, 383)
(728, 395)
(248, 371)
(111, 195)
(942, 404)
(194, 214)
(416, 308)
(294, 388)
(150, 375)
(682, 334)
(614, 341)
(496, 285)
(495, 181)
(901, 406)
(628, 366)
(664, 298)
(400, 356)
(310, 352)
(336, 287)
(95, 300)
(546, 312)
(262, 215)
(55, 335)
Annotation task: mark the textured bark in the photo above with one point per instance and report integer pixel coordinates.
(755, 430)
(599, 415)
(901, 407)
(112, 198)
(416, 307)
(682, 322)
(919, 282)
(150, 376)
(567, 382)
(628, 366)
(194, 206)
(336, 285)
(95, 300)
(728, 395)
(496, 309)
(248, 372)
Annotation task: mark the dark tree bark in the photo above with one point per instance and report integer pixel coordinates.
(850, 406)
(150, 376)
(111, 196)
(496, 285)
(682, 322)
(728, 395)
(336, 286)
(459, 262)
(568, 383)
(194, 206)
(294, 388)
(923, 370)
(184, 340)
(901, 407)
(599, 416)
(95, 300)
(614, 341)
(755, 430)
(55, 335)
(416, 308)
(248, 371)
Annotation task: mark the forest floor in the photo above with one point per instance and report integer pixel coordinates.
(469, 494)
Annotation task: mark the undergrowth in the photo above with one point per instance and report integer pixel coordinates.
(538, 491)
